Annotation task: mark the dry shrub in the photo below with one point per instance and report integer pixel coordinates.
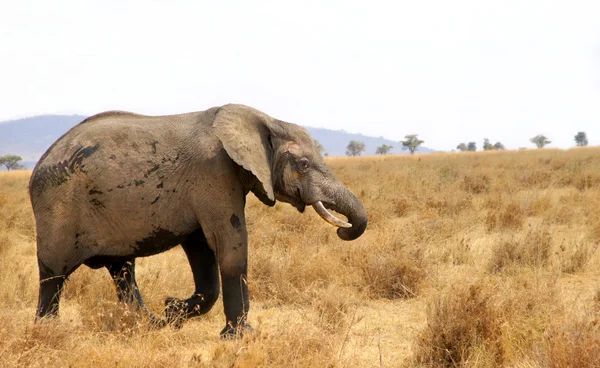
(455, 253)
(401, 207)
(538, 206)
(537, 178)
(48, 334)
(448, 174)
(288, 276)
(575, 256)
(563, 214)
(392, 276)
(449, 205)
(528, 302)
(116, 318)
(593, 232)
(493, 201)
(463, 327)
(299, 345)
(476, 183)
(533, 250)
(575, 343)
(510, 217)
(585, 181)
(333, 306)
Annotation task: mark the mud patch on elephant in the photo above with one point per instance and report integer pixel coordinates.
(138, 182)
(75, 162)
(235, 221)
(96, 203)
(95, 190)
(153, 144)
(158, 241)
(60, 173)
(153, 169)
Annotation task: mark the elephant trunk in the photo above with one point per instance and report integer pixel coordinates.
(348, 205)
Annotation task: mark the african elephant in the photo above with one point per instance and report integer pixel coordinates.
(120, 185)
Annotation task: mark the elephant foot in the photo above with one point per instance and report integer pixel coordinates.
(176, 312)
(156, 323)
(231, 332)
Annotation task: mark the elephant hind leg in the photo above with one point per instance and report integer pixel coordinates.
(203, 263)
(123, 275)
(51, 286)
(122, 271)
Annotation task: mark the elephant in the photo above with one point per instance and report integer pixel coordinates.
(120, 185)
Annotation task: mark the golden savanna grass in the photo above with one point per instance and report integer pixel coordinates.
(485, 259)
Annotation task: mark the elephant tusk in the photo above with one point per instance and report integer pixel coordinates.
(327, 216)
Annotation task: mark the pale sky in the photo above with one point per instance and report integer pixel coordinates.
(450, 71)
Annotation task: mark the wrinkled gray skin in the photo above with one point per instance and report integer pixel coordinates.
(121, 185)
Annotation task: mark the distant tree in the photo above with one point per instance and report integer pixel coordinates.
(472, 146)
(411, 143)
(383, 149)
(499, 146)
(581, 139)
(11, 162)
(355, 148)
(319, 147)
(462, 147)
(540, 141)
(487, 146)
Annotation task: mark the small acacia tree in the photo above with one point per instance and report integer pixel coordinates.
(411, 143)
(383, 149)
(472, 146)
(581, 139)
(487, 146)
(499, 146)
(355, 148)
(11, 162)
(540, 141)
(462, 147)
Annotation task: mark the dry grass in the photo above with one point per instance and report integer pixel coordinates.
(470, 260)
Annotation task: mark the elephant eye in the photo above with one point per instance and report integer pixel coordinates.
(303, 164)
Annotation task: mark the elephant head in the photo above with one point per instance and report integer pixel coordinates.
(288, 166)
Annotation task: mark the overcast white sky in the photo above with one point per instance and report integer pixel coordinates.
(450, 71)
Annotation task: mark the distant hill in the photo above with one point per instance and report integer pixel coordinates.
(335, 142)
(31, 137)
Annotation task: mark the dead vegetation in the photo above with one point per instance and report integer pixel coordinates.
(470, 260)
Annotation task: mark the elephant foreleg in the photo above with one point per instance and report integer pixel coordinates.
(235, 299)
(206, 279)
(233, 265)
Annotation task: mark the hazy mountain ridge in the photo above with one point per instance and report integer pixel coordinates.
(30, 137)
(335, 142)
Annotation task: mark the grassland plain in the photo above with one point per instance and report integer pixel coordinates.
(482, 259)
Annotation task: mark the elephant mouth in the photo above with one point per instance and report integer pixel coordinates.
(300, 207)
(319, 207)
(295, 202)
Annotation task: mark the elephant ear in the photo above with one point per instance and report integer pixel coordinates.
(244, 133)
